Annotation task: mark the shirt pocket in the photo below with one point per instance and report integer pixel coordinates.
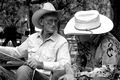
(49, 54)
(32, 50)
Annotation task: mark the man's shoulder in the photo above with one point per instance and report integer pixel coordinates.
(60, 37)
(109, 39)
(108, 36)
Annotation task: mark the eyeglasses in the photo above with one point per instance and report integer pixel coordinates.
(50, 22)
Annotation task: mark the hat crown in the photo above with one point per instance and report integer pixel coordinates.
(48, 6)
(86, 20)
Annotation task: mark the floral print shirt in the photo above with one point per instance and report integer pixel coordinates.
(100, 56)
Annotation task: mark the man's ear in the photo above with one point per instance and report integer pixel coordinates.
(41, 22)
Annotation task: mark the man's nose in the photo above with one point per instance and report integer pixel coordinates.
(53, 23)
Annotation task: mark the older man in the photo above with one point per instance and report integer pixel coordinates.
(47, 50)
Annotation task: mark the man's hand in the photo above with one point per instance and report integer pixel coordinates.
(34, 63)
(67, 77)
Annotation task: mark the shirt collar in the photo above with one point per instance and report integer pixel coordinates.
(52, 37)
(96, 40)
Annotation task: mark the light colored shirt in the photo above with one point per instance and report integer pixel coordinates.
(53, 52)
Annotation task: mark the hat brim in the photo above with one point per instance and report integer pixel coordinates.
(39, 13)
(106, 26)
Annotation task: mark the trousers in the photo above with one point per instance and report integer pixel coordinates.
(24, 72)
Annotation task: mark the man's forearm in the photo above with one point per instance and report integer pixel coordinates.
(8, 50)
(5, 50)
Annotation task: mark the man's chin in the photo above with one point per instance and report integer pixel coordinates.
(51, 31)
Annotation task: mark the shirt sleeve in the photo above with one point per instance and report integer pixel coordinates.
(18, 52)
(22, 50)
(62, 58)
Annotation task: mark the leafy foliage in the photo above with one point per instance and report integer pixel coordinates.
(17, 9)
(11, 11)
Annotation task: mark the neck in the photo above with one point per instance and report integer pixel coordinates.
(45, 35)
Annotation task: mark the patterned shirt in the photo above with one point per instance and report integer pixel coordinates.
(53, 52)
(101, 55)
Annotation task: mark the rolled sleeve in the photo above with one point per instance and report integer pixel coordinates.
(22, 49)
(62, 58)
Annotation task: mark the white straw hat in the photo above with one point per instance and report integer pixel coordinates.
(88, 22)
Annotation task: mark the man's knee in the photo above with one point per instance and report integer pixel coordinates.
(57, 74)
(24, 72)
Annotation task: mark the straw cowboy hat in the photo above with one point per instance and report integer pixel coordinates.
(88, 22)
(47, 8)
